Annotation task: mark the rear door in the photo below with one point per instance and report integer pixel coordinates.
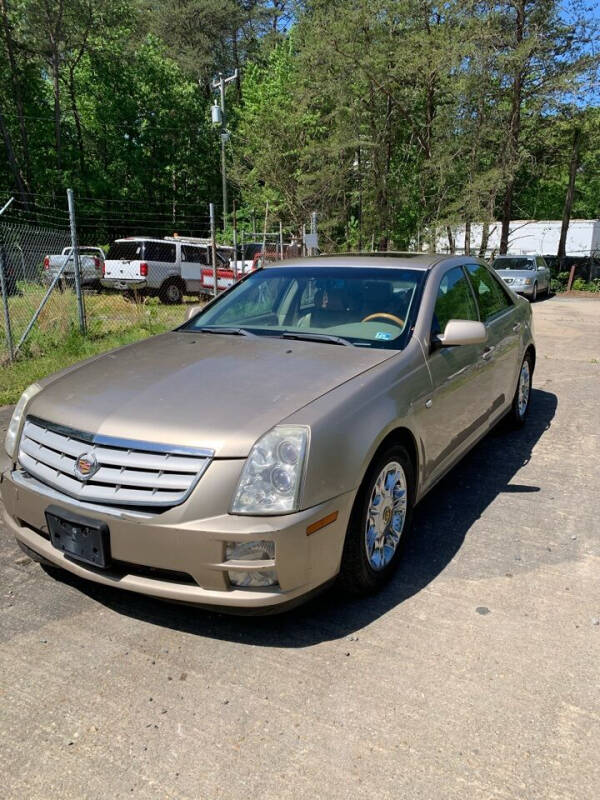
(498, 312)
(462, 381)
(162, 261)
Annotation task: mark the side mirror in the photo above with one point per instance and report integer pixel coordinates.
(462, 331)
(541, 266)
(191, 312)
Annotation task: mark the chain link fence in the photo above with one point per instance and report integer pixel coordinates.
(134, 287)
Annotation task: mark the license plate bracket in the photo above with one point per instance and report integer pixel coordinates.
(79, 538)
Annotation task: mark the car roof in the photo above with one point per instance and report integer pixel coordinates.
(142, 239)
(417, 261)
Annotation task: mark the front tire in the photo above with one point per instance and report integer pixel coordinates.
(534, 293)
(380, 522)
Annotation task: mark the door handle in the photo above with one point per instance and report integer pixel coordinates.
(487, 353)
(517, 327)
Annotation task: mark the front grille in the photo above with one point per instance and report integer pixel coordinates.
(127, 473)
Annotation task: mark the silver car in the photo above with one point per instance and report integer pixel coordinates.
(277, 440)
(526, 275)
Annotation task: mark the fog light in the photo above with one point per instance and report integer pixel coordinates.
(251, 551)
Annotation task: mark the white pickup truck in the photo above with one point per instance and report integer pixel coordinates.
(91, 266)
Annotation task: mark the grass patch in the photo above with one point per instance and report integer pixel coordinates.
(55, 341)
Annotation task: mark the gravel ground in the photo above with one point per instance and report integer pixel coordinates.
(474, 674)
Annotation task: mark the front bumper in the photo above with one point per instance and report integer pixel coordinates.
(123, 285)
(519, 288)
(174, 557)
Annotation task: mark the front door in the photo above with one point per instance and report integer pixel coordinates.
(461, 377)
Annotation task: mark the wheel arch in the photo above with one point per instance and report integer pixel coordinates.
(173, 279)
(531, 350)
(400, 435)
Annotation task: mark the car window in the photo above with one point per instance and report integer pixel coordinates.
(491, 297)
(454, 300)
(514, 262)
(160, 251)
(195, 255)
(369, 307)
(126, 251)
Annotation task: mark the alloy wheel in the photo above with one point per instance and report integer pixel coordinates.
(386, 515)
(524, 388)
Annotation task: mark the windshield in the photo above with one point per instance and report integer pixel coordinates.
(514, 263)
(125, 251)
(367, 307)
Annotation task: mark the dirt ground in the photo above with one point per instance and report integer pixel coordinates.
(474, 674)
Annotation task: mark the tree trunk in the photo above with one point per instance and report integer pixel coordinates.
(485, 237)
(514, 130)
(55, 39)
(56, 87)
(451, 241)
(77, 122)
(485, 232)
(569, 197)
(468, 237)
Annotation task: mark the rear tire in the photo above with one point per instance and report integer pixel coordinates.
(171, 292)
(519, 409)
(380, 522)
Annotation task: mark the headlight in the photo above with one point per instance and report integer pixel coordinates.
(14, 426)
(527, 281)
(272, 476)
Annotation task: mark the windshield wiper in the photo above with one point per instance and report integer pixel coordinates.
(226, 330)
(316, 337)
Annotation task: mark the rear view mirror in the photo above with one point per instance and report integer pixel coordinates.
(191, 312)
(463, 331)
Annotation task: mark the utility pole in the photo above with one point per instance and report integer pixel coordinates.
(213, 247)
(221, 119)
(235, 247)
(280, 240)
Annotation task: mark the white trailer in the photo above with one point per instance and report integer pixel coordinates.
(528, 237)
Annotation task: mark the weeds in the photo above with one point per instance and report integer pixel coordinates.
(559, 284)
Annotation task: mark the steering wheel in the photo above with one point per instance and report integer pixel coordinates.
(384, 314)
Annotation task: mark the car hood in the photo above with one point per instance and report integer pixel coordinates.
(204, 390)
(516, 273)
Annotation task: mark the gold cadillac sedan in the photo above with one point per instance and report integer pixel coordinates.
(276, 441)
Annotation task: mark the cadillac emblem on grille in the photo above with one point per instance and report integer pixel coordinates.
(86, 465)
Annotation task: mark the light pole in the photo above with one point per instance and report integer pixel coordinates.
(220, 119)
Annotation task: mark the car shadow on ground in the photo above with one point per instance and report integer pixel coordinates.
(441, 524)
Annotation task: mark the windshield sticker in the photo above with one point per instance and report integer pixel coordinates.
(383, 335)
